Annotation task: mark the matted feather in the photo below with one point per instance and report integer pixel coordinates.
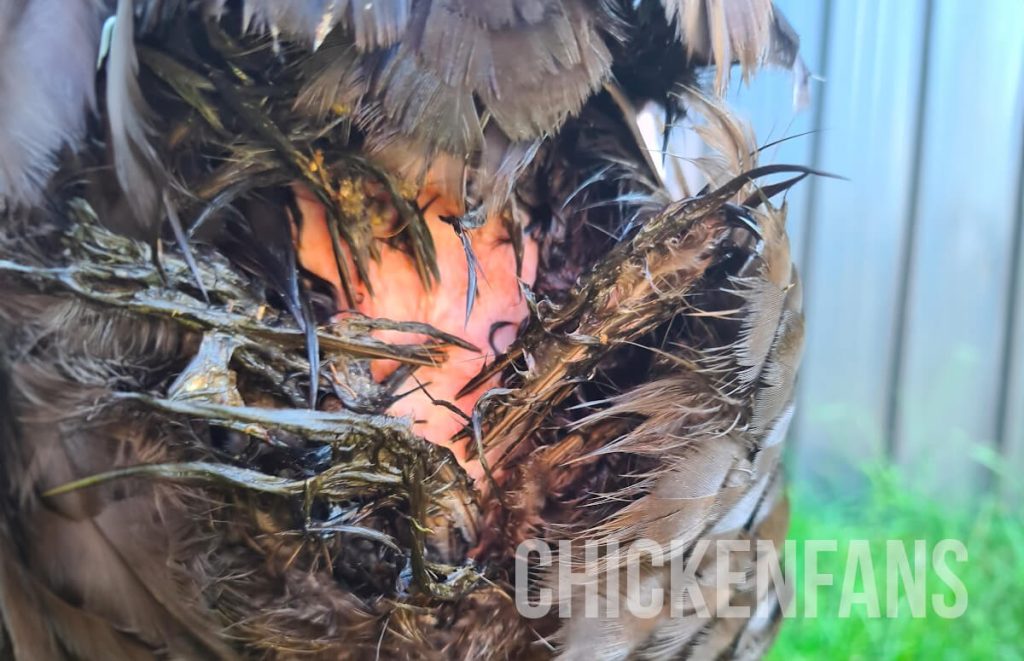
(715, 422)
(188, 475)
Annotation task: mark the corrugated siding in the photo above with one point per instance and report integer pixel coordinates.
(915, 299)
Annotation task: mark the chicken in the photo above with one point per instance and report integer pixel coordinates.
(317, 313)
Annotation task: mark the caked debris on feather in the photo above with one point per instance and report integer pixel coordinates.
(199, 461)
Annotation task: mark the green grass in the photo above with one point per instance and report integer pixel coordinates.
(992, 627)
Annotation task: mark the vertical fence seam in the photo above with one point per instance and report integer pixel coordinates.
(808, 234)
(1009, 345)
(908, 252)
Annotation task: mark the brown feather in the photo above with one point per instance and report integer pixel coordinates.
(136, 162)
(647, 396)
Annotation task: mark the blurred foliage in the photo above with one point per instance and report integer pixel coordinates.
(993, 531)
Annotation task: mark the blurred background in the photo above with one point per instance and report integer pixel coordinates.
(911, 412)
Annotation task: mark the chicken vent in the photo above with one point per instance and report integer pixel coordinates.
(203, 456)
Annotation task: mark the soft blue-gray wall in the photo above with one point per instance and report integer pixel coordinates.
(915, 287)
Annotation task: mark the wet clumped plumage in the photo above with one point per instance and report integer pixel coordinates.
(314, 310)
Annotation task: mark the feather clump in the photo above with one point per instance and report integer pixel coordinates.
(198, 461)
